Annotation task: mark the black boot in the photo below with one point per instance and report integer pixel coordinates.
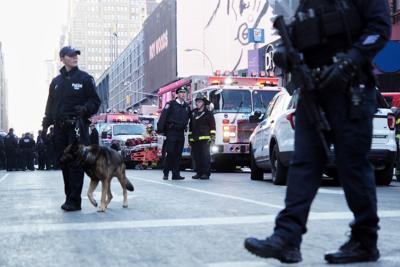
(353, 251)
(204, 177)
(178, 177)
(273, 247)
(196, 176)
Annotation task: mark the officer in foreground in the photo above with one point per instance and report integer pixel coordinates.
(201, 133)
(338, 40)
(173, 123)
(72, 100)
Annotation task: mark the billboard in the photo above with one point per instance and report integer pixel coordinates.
(159, 32)
(214, 35)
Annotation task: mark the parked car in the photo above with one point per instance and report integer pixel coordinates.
(272, 142)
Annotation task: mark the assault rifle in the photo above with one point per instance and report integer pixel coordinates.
(302, 79)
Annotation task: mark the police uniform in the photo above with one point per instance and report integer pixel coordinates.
(173, 123)
(201, 133)
(2, 154)
(27, 148)
(72, 100)
(41, 151)
(11, 147)
(353, 32)
(94, 137)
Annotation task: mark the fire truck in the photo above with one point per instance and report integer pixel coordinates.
(233, 101)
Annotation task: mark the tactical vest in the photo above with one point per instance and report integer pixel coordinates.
(322, 28)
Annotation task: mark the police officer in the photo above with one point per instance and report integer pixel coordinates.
(11, 147)
(27, 149)
(41, 151)
(201, 133)
(397, 116)
(173, 123)
(2, 153)
(72, 100)
(94, 135)
(338, 39)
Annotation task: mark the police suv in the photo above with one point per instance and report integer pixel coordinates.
(272, 142)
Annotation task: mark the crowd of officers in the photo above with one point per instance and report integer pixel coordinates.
(23, 153)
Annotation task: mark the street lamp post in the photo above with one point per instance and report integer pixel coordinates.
(204, 54)
(128, 83)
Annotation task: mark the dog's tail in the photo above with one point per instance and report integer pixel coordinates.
(129, 185)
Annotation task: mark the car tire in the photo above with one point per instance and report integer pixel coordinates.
(385, 176)
(278, 170)
(256, 174)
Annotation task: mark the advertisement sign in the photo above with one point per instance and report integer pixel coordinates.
(256, 35)
(160, 46)
(214, 35)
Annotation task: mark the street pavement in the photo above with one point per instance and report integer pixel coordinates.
(171, 223)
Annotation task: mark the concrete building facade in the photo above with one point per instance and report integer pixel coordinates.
(101, 29)
(3, 94)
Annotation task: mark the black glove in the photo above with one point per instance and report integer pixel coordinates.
(46, 122)
(81, 111)
(339, 74)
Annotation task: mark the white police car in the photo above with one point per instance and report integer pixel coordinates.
(272, 142)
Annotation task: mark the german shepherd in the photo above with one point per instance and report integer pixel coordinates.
(100, 164)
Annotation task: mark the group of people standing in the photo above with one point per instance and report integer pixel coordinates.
(173, 122)
(21, 153)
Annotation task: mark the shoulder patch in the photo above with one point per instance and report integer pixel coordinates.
(167, 106)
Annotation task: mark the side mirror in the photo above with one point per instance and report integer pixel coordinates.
(256, 117)
(104, 135)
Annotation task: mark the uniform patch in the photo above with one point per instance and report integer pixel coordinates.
(55, 87)
(371, 39)
(77, 86)
(166, 106)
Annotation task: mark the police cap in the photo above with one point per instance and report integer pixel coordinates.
(181, 89)
(69, 51)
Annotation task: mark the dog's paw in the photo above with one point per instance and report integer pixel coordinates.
(94, 203)
(101, 209)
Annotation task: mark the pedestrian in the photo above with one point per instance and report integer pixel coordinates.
(71, 102)
(11, 147)
(94, 135)
(201, 133)
(41, 151)
(27, 149)
(338, 40)
(2, 153)
(173, 124)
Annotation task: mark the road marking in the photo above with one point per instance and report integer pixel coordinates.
(266, 204)
(41, 227)
(4, 177)
(330, 191)
(240, 264)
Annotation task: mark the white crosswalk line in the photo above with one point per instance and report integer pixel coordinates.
(4, 177)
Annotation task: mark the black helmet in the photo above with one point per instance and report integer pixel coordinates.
(202, 97)
(181, 89)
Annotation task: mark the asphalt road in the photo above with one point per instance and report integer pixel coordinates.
(171, 223)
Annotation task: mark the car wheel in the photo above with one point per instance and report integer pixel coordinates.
(257, 174)
(385, 176)
(278, 170)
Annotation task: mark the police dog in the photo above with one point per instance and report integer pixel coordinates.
(100, 164)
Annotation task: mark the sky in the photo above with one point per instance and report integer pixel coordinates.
(30, 32)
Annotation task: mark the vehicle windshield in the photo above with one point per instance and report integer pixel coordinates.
(231, 101)
(261, 99)
(131, 129)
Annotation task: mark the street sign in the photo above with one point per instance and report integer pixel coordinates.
(256, 35)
